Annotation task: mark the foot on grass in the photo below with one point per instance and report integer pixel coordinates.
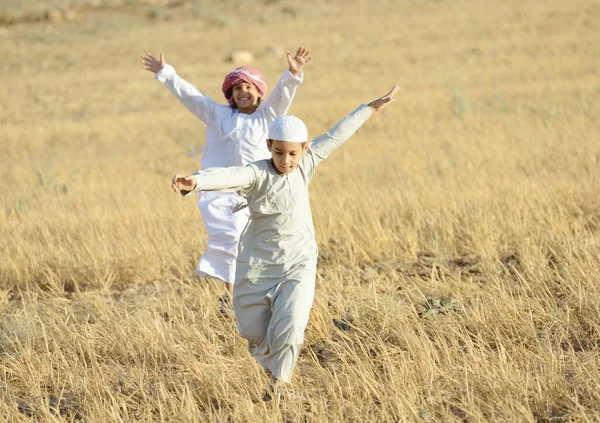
(225, 307)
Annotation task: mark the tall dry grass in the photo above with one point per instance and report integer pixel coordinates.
(459, 229)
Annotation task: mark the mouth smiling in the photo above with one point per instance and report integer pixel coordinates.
(244, 98)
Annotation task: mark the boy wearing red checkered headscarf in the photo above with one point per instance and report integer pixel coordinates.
(237, 78)
(235, 136)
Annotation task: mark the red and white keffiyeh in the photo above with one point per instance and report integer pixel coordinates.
(246, 74)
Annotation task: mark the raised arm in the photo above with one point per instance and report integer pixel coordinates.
(279, 101)
(200, 105)
(322, 146)
(215, 179)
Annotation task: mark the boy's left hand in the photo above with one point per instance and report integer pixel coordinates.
(298, 62)
(183, 183)
(382, 102)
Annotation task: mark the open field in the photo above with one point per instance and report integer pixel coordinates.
(459, 229)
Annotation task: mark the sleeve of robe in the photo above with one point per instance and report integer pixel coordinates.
(279, 101)
(322, 146)
(199, 104)
(240, 179)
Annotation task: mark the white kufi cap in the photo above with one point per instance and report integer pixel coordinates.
(289, 129)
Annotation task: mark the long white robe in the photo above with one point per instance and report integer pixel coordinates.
(232, 139)
(276, 264)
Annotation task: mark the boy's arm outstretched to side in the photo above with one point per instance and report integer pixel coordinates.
(322, 146)
(279, 101)
(215, 179)
(200, 105)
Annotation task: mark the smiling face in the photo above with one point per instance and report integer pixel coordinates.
(245, 96)
(286, 155)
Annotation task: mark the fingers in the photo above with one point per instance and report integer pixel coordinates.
(183, 183)
(147, 60)
(176, 182)
(147, 56)
(387, 99)
(303, 53)
(393, 91)
(162, 58)
(307, 56)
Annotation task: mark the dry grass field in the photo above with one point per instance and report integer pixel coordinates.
(459, 229)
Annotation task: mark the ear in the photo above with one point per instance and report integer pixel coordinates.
(269, 145)
(305, 147)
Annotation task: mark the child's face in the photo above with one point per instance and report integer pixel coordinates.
(245, 96)
(286, 155)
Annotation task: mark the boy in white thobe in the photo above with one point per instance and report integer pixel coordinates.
(235, 135)
(276, 264)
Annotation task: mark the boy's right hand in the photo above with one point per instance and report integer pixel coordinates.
(300, 59)
(150, 63)
(183, 183)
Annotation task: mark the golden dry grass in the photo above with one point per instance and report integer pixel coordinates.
(459, 229)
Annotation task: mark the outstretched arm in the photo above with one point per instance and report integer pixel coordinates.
(200, 105)
(278, 103)
(214, 179)
(322, 146)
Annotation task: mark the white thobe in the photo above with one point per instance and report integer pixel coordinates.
(232, 139)
(276, 263)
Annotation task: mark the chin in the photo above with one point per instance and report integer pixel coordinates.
(245, 104)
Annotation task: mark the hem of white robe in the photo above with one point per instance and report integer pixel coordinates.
(204, 269)
(276, 375)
